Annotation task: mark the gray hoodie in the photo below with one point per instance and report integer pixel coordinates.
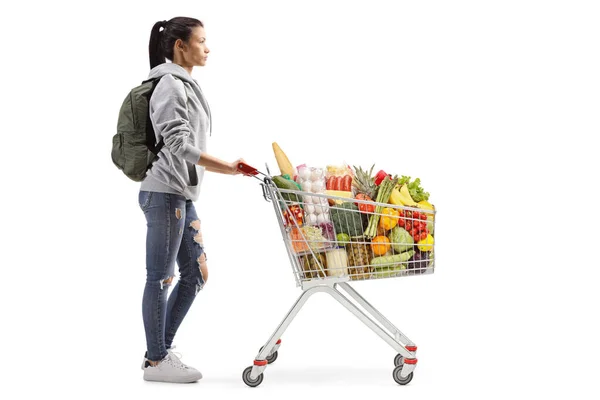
(180, 115)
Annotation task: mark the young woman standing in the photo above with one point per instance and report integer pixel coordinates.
(181, 118)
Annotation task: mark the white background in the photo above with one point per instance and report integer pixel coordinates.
(494, 105)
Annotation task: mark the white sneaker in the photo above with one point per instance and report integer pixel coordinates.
(145, 359)
(176, 358)
(171, 369)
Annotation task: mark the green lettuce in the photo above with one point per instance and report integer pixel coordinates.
(414, 188)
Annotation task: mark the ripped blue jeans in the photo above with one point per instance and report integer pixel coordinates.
(173, 235)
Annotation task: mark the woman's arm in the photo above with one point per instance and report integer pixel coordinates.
(217, 170)
(214, 164)
(168, 106)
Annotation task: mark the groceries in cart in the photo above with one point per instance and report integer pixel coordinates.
(347, 222)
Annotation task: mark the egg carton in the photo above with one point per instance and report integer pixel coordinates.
(316, 209)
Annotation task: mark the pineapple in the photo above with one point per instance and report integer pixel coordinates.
(358, 261)
(364, 182)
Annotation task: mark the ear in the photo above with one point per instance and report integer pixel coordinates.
(179, 45)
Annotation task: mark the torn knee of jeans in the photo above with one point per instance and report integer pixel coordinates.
(202, 261)
(178, 213)
(195, 224)
(166, 282)
(202, 268)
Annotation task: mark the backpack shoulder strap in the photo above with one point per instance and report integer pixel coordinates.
(150, 134)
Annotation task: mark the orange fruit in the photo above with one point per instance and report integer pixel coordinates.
(380, 245)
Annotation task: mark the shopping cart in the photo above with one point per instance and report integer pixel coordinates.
(326, 256)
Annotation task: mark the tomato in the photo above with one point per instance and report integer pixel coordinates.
(365, 208)
(424, 217)
(347, 183)
(408, 214)
(401, 213)
(423, 236)
(408, 226)
(401, 222)
(413, 231)
(416, 215)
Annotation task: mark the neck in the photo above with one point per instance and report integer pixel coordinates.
(186, 67)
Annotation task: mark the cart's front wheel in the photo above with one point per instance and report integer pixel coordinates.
(251, 382)
(270, 359)
(398, 360)
(399, 379)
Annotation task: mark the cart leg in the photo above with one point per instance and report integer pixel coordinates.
(274, 340)
(369, 322)
(399, 336)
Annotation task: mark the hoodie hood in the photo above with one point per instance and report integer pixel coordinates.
(173, 69)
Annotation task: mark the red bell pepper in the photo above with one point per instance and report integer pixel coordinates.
(294, 212)
(380, 176)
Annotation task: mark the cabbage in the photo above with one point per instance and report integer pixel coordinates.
(314, 237)
(328, 230)
(400, 239)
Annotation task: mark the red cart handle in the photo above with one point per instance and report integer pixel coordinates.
(246, 169)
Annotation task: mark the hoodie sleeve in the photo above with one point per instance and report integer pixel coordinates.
(168, 110)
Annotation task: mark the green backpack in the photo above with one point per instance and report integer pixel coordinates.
(134, 146)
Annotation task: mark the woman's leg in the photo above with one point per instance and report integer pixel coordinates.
(193, 273)
(165, 216)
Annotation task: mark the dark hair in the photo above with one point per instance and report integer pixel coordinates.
(162, 41)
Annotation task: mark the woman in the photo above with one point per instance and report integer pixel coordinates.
(181, 118)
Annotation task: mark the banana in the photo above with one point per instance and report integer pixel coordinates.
(405, 197)
(424, 204)
(395, 198)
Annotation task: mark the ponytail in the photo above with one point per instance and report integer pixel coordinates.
(157, 55)
(162, 42)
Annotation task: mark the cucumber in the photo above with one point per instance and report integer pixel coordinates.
(390, 266)
(385, 262)
(283, 183)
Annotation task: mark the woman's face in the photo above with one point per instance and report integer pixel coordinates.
(194, 52)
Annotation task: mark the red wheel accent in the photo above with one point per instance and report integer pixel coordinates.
(260, 363)
(411, 348)
(278, 342)
(410, 361)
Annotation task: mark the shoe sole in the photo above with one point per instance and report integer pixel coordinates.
(172, 379)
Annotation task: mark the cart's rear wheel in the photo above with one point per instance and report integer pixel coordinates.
(270, 359)
(399, 379)
(398, 360)
(250, 382)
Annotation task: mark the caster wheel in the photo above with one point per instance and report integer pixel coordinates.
(270, 359)
(250, 382)
(400, 380)
(398, 360)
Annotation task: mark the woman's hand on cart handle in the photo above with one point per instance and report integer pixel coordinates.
(235, 167)
(246, 169)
